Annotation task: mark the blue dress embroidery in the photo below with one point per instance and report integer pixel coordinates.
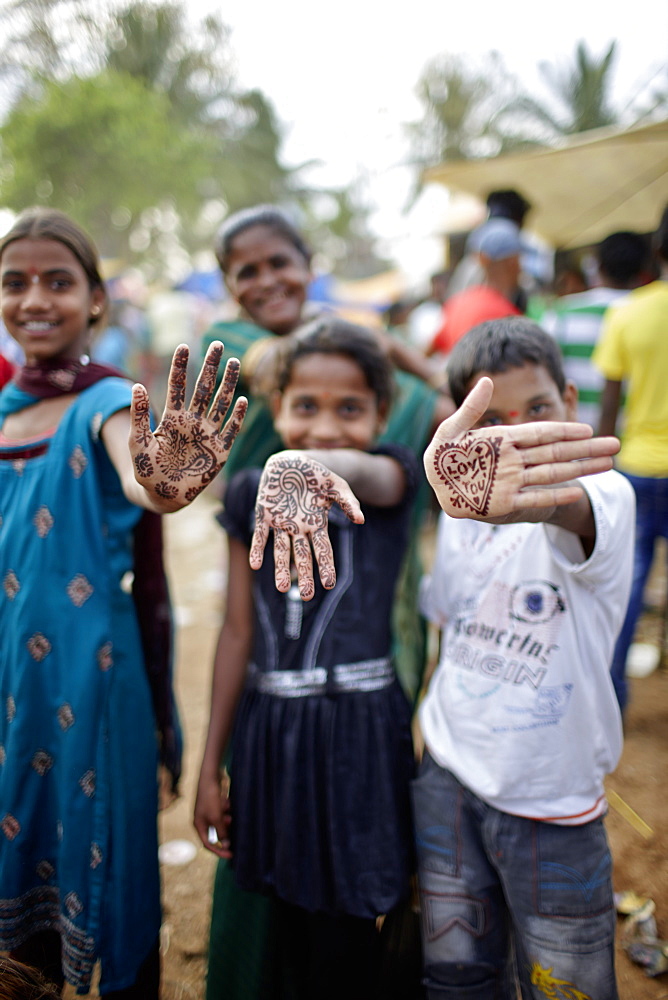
(78, 751)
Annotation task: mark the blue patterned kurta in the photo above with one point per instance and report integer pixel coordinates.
(78, 751)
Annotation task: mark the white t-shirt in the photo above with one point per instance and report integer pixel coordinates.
(521, 707)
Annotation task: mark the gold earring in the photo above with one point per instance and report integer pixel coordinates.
(95, 311)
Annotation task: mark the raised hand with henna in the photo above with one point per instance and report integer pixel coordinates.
(294, 498)
(191, 444)
(496, 473)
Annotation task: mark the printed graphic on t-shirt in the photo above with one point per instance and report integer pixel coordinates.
(501, 649)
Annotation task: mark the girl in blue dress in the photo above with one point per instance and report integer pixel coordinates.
(306, 690)
(84, 618)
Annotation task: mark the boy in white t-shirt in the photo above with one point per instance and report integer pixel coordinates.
(520, 722)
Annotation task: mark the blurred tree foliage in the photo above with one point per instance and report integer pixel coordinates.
(471, 111)
(130, 118)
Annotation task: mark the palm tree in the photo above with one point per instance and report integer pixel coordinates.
(582, 92)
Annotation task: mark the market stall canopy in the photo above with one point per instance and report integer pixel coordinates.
(594, 184)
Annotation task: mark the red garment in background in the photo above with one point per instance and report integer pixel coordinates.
(465, 310)
(6, 370)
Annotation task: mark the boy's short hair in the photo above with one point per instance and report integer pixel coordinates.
(500, 344)
(661, 238)
(623, 256)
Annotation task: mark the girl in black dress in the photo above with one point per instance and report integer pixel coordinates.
(306, 690)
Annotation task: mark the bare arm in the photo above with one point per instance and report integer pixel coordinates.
(229, 670)
(375, 479)
(164, 470)
(610, 400)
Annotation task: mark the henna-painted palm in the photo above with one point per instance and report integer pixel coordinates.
(190, 445)
(494, 472)
(294, 497)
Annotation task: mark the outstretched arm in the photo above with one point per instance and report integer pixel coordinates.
(294, 498)
(503, 474)
(229, 670)
(167, 468)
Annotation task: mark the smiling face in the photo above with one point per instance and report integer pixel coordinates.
(525, 394)
(268, 277)
(46, 300)
(327, 404)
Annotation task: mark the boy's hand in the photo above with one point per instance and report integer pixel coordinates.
(493, 472)
(190, 445)
(293, 498)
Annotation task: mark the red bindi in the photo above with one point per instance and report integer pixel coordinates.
(513, 413)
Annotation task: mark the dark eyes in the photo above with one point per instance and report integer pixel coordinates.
(19, 284)
(250, 271)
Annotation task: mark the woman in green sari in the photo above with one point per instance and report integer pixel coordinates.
(267, 269)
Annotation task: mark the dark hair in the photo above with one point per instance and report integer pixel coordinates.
(335, 336)
(49, 224)
(260, 215)
(622, 256)
(22, 982)
(507, 204)
(661, 238)
(500, 344)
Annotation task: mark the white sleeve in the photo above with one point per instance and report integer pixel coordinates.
(613, 504)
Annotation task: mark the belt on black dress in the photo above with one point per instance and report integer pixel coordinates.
(367, 675)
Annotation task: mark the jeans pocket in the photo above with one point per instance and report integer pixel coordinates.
(436, 797)
(572, 870)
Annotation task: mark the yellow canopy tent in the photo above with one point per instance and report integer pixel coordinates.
(594, 184)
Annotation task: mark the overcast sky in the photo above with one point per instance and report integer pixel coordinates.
(342, 74)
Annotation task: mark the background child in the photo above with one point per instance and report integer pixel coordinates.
(633, 352)
(79, 879)
(520, 721)
(322, 752)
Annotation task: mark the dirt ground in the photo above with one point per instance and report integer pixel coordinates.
(195, 553)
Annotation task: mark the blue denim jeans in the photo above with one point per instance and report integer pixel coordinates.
(651, 523)
(508, 902)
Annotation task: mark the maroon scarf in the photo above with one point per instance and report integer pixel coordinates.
(150, 592)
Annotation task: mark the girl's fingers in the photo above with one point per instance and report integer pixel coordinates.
(226, 390)
(233, 425)
(206, 380)
(339, 492)
(140, 418)
(176, 386)
(281, 560)
(548, 432)
(304, 566)
(259, 540)
(324, 556)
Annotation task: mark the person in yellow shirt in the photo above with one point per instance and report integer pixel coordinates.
(633, 352)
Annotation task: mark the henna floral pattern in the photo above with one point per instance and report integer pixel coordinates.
(294, 498)
(190, 445)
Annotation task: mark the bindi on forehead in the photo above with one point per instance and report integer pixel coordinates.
(513, 413)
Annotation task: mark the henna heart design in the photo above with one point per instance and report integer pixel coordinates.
(469, 469)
